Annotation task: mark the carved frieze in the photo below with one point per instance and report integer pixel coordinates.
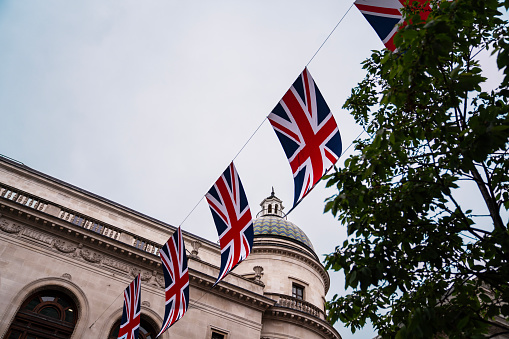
(110, 262)
(41, 237)
(151, 278)
(63, 246)
(90, 256)
(10, 227)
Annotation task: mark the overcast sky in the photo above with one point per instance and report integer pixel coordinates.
(147, 102)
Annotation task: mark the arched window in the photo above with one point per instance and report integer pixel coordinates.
(45, 315)
(270, 209)
(147, 330)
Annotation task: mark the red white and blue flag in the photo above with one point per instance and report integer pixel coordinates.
(385, 16)
(176, 279)
(308, 133)
(130, 324)
(232, 216)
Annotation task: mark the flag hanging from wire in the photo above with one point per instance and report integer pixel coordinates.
(232, 217)
(308, 133)
(385, 16)
(130, 324)
(176, 279)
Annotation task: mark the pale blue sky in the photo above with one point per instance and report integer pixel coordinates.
(146, 103)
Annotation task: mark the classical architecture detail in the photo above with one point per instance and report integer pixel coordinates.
(110, 262)
(38, 236)
(91, 256)
(63, 246)
(10, 227)
(48, 227)
(196, 246)
(67, 276)
(258, 272)
(149, 277)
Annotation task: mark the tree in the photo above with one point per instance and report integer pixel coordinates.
(420, 263)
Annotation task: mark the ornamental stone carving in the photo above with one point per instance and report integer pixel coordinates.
(145, 303)
(63, 246)
(10, 227)
(91, 256)
(196, 246)
(151, 278)
(67, 276)
(38, 236)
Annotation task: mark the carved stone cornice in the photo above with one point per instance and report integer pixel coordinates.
(262, 248)
(322, 327)
(229, 291)
(50, 235)
(42, 223)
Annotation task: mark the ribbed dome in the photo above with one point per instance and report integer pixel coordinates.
(275, 225)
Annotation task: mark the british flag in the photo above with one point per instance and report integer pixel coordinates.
(308, 133)
(176, 279)
(385, 16)
(130, 324)
(232, 216)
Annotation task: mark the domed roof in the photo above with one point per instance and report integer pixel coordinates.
(275, 225)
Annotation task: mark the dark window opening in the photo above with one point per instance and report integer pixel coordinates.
(217, 335)
(147, 331)
(298, 291)
(45, 315)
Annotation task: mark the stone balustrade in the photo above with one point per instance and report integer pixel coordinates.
(287, 301)
(78, 219)
(22, 198)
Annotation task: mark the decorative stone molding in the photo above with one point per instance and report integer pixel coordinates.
(320, 326)
(265, 249)
(110, 262)
(145, 303)
(151, 278)
(91, 256)
(258, 275)
(63, 246)
(196, 246)
(246, 297)
(67, 276)
(38, 236)
(10, 227)
(258, 272)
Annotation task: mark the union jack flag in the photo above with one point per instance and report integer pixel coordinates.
(308, 133)
(130, 323)
(232, 216)
(176, 279)
(385, 16)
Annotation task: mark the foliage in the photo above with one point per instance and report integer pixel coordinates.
(419, 263)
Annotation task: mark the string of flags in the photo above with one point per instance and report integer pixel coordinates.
(310, 138)
(131, 314)
(386, 17)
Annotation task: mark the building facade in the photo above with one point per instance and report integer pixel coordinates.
(66, 256)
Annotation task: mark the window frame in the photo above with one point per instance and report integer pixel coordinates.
(295, 289)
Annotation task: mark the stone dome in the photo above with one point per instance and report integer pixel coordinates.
(272, 221)
(274, 225)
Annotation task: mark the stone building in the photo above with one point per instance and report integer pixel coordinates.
(66, 255)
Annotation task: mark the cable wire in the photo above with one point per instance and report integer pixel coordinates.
(106, 309)
(319, 48)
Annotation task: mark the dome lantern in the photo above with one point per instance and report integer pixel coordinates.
(272, 206)
(272, 222)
